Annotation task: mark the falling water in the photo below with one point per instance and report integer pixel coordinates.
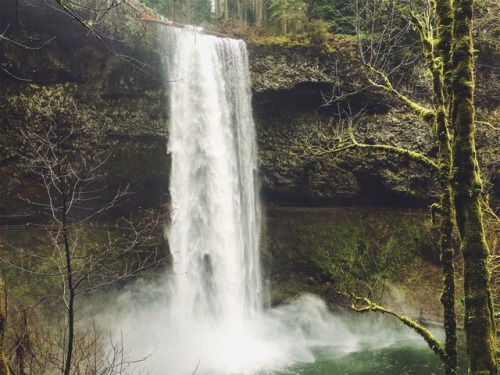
(214, 235)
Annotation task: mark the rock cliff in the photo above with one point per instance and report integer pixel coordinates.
(297, 125)
(298, 129)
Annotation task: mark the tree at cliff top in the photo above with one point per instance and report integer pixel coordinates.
(289, 14)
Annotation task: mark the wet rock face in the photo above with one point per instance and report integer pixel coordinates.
(297, 78)
(298, 127)
(296, 168)
(133, 140)
(104, 91)
(288, 66)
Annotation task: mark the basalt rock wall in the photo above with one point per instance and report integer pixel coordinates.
(303, 133)
(298, 124)
(103, 83)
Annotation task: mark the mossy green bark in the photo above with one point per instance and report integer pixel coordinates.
(448, 294)
(436, 49)
(4, 368)
(441, 85)
(479, 322)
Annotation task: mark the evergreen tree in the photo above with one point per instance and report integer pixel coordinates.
(290, 15)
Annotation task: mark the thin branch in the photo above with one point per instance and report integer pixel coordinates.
(425, 113)
(429, 338)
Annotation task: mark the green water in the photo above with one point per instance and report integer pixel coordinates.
(387, 361)
(354, 344)
(359, 344)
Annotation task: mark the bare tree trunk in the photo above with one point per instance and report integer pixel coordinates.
(244, 15)
(239, 7)
(260, 12)
(216, 9)
(70, 303)
(479, 322)
(4, 368)
(67, 252)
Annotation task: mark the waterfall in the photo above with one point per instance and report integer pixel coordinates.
(214, 236)
(215, 230)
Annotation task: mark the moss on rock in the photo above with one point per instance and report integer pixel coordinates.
(332, 251)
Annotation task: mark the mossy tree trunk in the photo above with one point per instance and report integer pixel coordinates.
(441, 85)
(479, 322)
(436, 43)
(436, 36)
